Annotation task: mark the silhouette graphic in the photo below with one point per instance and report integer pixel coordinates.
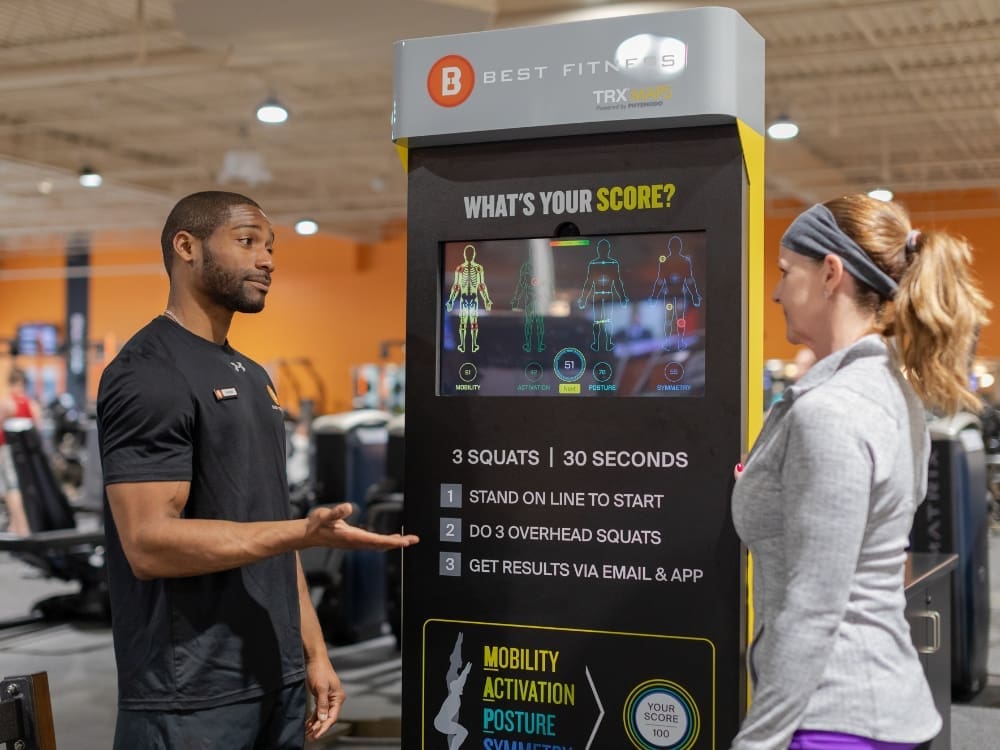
(446, 721)
(469, 286)
(532, 294)
(604, 285)
(675, 285)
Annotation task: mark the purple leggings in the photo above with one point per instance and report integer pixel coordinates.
(808, 739)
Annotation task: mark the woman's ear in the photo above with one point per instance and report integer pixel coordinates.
(833, 273)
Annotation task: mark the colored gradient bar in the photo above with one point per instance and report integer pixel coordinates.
(569, 243)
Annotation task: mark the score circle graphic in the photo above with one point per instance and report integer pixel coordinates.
(603, 372)
(533, 371)
(673, 371)
(569, 364)
(467, 372)
(661, 715)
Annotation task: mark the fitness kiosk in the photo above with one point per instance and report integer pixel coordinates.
(583, 373)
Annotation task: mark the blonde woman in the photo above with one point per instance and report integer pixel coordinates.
(827, 496)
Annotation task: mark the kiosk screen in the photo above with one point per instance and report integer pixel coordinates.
(609, 315)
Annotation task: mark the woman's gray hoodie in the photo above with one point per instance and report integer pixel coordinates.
(825, 504)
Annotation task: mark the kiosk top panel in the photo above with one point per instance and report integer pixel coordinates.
(693, 67)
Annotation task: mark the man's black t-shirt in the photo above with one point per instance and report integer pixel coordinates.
(173, 406)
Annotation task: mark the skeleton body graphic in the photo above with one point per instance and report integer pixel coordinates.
(468, 287)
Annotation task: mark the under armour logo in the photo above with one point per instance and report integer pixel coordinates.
(238, 367)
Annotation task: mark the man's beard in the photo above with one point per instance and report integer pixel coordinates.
(228, 289)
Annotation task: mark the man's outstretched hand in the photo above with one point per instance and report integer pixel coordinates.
(327, 528)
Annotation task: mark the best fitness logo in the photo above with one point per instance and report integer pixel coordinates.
(451, 80)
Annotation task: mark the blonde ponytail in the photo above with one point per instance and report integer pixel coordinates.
(938, 309)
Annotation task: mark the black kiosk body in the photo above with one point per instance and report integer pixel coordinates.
(583, 372)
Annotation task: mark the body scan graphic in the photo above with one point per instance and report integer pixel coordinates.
(468, 287)
(675, 285)
(603, 288)
(532, 295)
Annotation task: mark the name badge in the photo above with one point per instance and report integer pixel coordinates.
(222, 394)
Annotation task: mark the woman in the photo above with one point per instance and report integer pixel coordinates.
(827, 497)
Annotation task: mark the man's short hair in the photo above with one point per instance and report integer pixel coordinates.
(200, 214)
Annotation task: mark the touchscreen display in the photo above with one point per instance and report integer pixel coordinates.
(601, 316)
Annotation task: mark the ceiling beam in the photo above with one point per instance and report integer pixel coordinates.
(106, 71)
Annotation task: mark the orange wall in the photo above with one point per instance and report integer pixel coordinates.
(39, 298)
(974, 215)
(334, 301)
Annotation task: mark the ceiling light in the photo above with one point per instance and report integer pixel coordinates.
(782, 129)
(89, 178)
(243, 165)
(271, 111)
(880, 194)
(45, 187)
(306, 226)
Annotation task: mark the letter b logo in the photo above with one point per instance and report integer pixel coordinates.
(451, 80)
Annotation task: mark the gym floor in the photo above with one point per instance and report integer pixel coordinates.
(79, 661)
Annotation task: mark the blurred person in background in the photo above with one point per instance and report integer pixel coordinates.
(16, 404)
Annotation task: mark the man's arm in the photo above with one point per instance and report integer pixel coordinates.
(159, 543)
(321, 679)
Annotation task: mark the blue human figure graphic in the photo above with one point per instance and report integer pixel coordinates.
(604, 286)
(531, 294)
(675, 285)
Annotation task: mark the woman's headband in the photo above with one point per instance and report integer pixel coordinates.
(816, 234)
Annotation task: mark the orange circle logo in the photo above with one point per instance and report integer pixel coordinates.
(451, 80)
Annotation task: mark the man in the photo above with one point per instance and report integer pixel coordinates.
(216, 638)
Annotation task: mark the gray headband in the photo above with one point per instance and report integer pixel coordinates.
(816, 234)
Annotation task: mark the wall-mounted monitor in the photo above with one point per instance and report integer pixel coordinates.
(601, 316)
(37, 338)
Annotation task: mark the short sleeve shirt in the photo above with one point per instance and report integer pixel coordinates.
(173, 406)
